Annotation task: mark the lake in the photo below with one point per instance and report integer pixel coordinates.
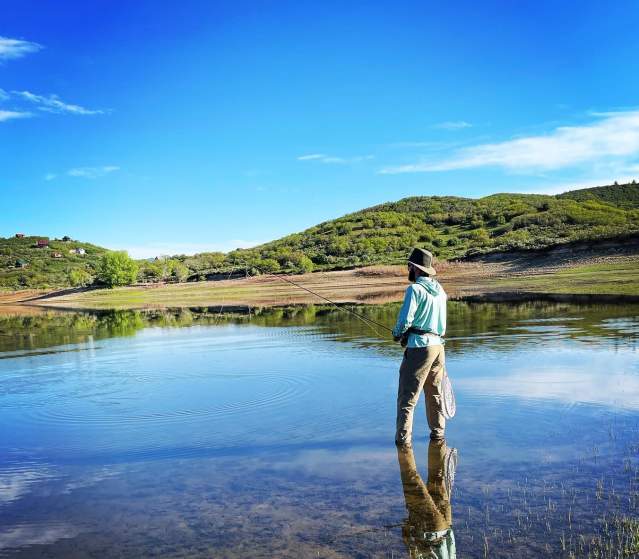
(270, 434)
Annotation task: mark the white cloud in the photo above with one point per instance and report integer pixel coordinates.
(53, 104)
(329, 159)
(560, 384)
(453, 125)
(92, 172)
(311, 157)
(16, 48)
(158, 249)
(50, 176)
(10, 115)
(27, 534)
(15, 482)
(613, 137)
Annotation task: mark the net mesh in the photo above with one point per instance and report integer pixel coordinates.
(449, 406)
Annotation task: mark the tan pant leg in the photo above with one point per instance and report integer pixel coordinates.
(433, 393)
(413, 373)
(425, 513)
(437, 480)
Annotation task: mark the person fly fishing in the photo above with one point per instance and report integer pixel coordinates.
(421, 326)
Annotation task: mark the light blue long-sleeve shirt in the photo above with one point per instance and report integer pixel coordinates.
(424, 308)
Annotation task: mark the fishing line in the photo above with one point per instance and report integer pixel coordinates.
(219, 315)
(369, 322)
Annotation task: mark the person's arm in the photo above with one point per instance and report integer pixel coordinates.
(406, 313)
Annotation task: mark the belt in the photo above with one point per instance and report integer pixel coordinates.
(419, 332)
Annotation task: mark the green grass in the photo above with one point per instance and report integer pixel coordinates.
(595, 279)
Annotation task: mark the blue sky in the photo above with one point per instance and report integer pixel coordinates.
(177, 127)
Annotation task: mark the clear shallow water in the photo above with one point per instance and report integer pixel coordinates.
(190, 434)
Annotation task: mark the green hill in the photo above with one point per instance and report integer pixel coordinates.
(449, 226)
(24, 264)
(454, 227)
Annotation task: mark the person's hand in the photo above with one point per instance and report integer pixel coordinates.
(397, 338)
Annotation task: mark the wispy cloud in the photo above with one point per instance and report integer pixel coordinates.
(311, 157)
(16, 48)
(545, 382)
(53, 104)
(10, 115)
(50, 176)
(330, 159)
(612, 137)
(453, 125)
(90, 172)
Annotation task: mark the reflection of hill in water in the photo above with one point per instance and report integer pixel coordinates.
(470, 325)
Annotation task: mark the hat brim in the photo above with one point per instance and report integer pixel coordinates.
(430, 270)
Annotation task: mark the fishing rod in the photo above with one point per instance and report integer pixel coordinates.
(369, 322)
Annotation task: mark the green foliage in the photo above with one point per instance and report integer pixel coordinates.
(117, 268)
(269, 265)
(23, 265)
(79, 277)
(449, 226)
(454, 227)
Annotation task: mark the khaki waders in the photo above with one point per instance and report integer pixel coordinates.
(422, 369)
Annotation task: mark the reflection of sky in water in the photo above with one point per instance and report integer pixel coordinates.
(278, 439)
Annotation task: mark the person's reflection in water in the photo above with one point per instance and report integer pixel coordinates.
(427, 532)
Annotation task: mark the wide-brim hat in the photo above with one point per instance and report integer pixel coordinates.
(423, 260)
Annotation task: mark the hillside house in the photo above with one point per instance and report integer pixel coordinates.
(20, 263)
(19, 235)
(42, 243)
(78, 251)
(56, 255)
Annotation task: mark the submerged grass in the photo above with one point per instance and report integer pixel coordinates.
(587, 508)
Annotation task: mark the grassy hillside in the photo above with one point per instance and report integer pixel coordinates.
(23, 264)
(453, 227)
(449, 226)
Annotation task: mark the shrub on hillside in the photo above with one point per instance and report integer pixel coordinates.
(117, 268)
(79, 278)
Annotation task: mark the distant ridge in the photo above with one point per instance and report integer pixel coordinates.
(457, 227)
(452, 227)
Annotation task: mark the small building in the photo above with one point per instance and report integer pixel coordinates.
(56, 255)
(20, 263)
(19, 235)
(42, 243)
(79, 251)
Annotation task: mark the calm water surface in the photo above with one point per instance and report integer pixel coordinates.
(191, 434)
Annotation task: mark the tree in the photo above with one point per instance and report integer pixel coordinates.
(117, 268)
(79, 277)
(177, 270)
(269, 265)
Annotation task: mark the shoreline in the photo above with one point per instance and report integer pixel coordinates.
(506, 297)
(607, 278)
